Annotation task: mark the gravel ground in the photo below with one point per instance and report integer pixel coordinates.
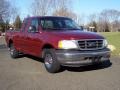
(28, 73)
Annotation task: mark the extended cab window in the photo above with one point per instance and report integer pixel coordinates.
(47, 24)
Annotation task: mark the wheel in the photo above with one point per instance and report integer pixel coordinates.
(50, 61)
(13, 52)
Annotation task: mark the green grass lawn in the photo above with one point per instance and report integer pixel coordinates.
(113, 39)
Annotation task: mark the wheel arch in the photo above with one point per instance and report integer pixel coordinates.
(47, 46)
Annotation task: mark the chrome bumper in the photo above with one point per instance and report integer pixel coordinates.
(81, 58)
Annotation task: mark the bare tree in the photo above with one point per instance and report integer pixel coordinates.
(92, 22)
(8, 11)
(109, 20)
(41, 7)
(61, 4)
(14, 12)
(47, 7)
(114, 17)
(81, 20)
(4, 8)
(4, 14)
(92, 18)
(63, 8)
(116, 26)
(65, 12)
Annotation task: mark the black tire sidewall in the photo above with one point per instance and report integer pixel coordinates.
(15, 52)
(55, 66)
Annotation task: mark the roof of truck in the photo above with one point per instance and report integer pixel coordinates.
(46, 17)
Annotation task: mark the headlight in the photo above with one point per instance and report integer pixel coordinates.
(105, 43)
(67, 44)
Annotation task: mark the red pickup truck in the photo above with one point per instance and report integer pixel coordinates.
(59, 41)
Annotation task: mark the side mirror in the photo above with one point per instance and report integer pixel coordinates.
(33, 29)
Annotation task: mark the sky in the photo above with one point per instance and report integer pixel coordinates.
(81, 7)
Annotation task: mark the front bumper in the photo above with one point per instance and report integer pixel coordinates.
(81, 58)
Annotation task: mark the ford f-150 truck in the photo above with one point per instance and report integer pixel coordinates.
(59, 41)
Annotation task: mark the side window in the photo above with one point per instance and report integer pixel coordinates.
(33, 26)
(46, 24)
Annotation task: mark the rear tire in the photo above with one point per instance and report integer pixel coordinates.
(50, 61)
(13, 52)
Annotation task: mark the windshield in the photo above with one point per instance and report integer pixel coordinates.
(58, 24)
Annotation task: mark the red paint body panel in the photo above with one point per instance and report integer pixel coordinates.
(32, 43)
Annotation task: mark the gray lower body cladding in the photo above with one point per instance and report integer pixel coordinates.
(81, 58)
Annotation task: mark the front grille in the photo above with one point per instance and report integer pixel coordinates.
(90, 44)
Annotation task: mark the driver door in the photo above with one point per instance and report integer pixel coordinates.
(32, 38)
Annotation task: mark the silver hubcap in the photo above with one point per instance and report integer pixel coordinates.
(11, 50)
(48, 60)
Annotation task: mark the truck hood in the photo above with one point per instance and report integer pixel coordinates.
(76, 35)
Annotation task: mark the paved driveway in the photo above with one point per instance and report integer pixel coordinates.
(28, 73)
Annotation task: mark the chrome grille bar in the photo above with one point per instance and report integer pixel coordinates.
(90, 44)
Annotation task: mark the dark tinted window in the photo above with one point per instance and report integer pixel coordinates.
(58, 24)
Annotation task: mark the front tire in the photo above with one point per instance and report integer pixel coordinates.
(50, 61)
(13, 52)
